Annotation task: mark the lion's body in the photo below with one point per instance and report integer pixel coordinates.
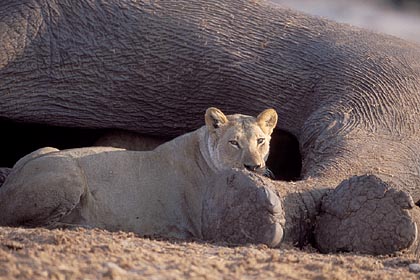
(157, 192)
(147, 198)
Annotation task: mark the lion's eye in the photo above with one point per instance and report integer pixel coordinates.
(234, 143)
(260, 141)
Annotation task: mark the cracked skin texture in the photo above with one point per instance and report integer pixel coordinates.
(364, 214)
(350, 96)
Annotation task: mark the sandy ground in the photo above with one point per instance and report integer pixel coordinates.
(99, 254)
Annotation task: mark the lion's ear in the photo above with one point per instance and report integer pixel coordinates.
(267, 120)
(215, 118)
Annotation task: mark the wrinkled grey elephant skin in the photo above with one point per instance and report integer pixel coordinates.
(350, 96)
(238, 210)
(364, 214)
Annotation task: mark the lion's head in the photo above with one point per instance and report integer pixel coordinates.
(240, 141)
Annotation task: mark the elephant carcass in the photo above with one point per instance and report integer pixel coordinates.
(350, 96)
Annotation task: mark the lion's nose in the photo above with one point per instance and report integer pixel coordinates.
(252, 167)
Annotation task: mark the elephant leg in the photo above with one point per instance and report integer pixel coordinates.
(33, 198)
(242, 207)
(366, 215)
(239, 208)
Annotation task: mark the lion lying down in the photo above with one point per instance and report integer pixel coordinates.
(157, 192)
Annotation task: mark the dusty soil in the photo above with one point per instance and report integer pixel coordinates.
(97, 254)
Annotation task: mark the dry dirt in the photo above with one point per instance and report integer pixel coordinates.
(99, 254)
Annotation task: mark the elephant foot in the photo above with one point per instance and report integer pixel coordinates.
(239, 209)
(366, 215)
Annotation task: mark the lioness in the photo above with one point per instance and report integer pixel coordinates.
(157, 192)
